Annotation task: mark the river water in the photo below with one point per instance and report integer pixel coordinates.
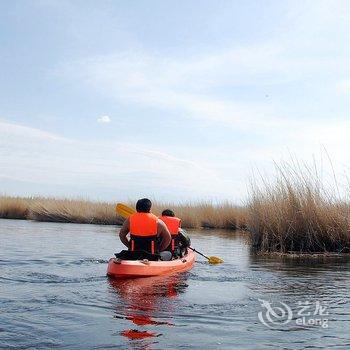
(54, 293)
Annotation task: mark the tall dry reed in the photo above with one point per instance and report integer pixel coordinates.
(75, 211)
(14, 207)
(192, 215)
(58, 210)
(296, 213)
(207, 215)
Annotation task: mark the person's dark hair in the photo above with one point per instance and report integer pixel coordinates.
(168, 212)
(143, 205)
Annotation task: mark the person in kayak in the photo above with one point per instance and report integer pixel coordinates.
(179, 238)
(147, 232)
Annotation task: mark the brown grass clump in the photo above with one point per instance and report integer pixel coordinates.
(294, 214)
(207, 215)
(58, 210)
(297, 214)
(185, 211)
(199, 215)
(75, 211)
(13, 207)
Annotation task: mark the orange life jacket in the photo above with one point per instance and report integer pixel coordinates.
(143, 232)
(173, 224)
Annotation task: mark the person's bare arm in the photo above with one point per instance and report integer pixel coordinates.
(164, 235)
(124, 232)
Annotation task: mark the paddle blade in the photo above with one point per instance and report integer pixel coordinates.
(124, 210)
(215, 260)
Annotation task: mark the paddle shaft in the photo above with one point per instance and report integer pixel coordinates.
(199, 253)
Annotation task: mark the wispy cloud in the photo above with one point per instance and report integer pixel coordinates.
(183, 85)
(252, 96)
(301, 54)
(17, 130)
(192, 86)
(29, 155)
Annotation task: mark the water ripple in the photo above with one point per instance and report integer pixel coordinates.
(54, 294)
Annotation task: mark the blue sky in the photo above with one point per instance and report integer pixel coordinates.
(175, 100)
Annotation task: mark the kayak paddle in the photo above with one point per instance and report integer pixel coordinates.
(125, 211)
(211, 259)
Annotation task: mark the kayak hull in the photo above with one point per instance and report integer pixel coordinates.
(136, 268)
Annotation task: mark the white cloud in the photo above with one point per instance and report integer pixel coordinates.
(184, 85)
(306, 53)
(192, 85)
(11, 129)
(125, 170)
(30, 156)
(104, 119)
(305, 49)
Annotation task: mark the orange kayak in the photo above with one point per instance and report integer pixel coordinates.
(136, 268)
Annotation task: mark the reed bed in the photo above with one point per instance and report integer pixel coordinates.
(58, 210)
(205, 215)
(297, 214)
(14, 207)
(74, 211)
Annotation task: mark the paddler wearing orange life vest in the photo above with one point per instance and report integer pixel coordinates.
(147, 232)
(179, 238)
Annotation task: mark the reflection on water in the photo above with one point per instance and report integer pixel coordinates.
(54, 294)
(141, 300)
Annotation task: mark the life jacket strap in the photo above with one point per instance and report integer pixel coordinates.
(148, 243)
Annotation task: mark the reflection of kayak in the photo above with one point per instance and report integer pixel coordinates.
(135, 334)
(136, 268)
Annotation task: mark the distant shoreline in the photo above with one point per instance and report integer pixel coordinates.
(203, 215)
(294, 214)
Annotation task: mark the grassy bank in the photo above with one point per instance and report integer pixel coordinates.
(293, 214)
(297, 213)
(58, 210)
(205, 215)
